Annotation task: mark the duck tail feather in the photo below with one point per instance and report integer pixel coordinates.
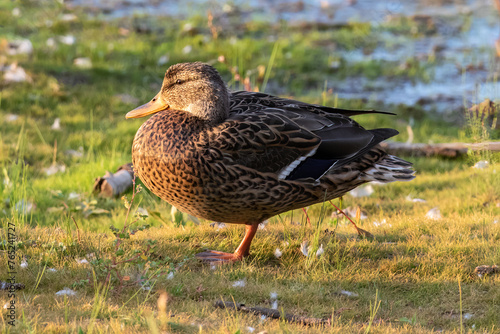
(390, 169)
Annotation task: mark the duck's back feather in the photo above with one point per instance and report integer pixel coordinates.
(292, 139)
(244, 101)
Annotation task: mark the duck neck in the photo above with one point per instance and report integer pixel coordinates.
(213, 110)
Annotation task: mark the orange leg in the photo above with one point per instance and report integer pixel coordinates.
(242, 250)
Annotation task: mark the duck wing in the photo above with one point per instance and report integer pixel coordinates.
(292, 142)
(244, 101)
(266, 142)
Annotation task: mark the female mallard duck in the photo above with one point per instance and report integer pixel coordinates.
(244, 157)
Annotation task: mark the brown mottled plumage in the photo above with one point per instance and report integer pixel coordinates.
(244, 157)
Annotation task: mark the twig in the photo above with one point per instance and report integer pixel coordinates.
(114, 184)
(449, 150)
(272, 313)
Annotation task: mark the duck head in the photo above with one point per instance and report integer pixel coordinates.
(193, 87)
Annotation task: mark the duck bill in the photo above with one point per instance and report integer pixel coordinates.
(154, 106)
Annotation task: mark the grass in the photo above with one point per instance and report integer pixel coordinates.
(415, 276)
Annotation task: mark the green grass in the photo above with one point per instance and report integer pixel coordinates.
(407, 279)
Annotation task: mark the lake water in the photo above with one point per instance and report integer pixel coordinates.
(467, 70)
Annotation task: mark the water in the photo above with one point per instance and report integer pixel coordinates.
(466, 70)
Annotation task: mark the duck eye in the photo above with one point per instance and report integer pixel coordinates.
(179, 81)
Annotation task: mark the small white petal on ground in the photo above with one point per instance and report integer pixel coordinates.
(68, 39)
(218, 225)
(66, 291)
(170, 275)
(383, 222)
(434, 214)
(304, 248)
(362, 191)
(16, 12)
(249, 329)
(320, 250)
(239, 284)
(25, 206)
(54, 169)
(16, 73)
(351, 211)
(56, 125)
(263, 224)
(468, 316)
(83, 62)
(187, 49)
(74, 195)
(278, 253)
(51, 270)
(142, 211)
(51, 42)
(82, 261)
(481, 164)
(7, 305)
(20, 46)
(24, 264)
(348, 293)
(163, 60)
(274, 305)
(415, 200)
(68, 17)
(74, 153)
(11, 117)
(273, 295)
(335, 64)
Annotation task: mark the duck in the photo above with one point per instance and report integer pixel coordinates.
(243, 157)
